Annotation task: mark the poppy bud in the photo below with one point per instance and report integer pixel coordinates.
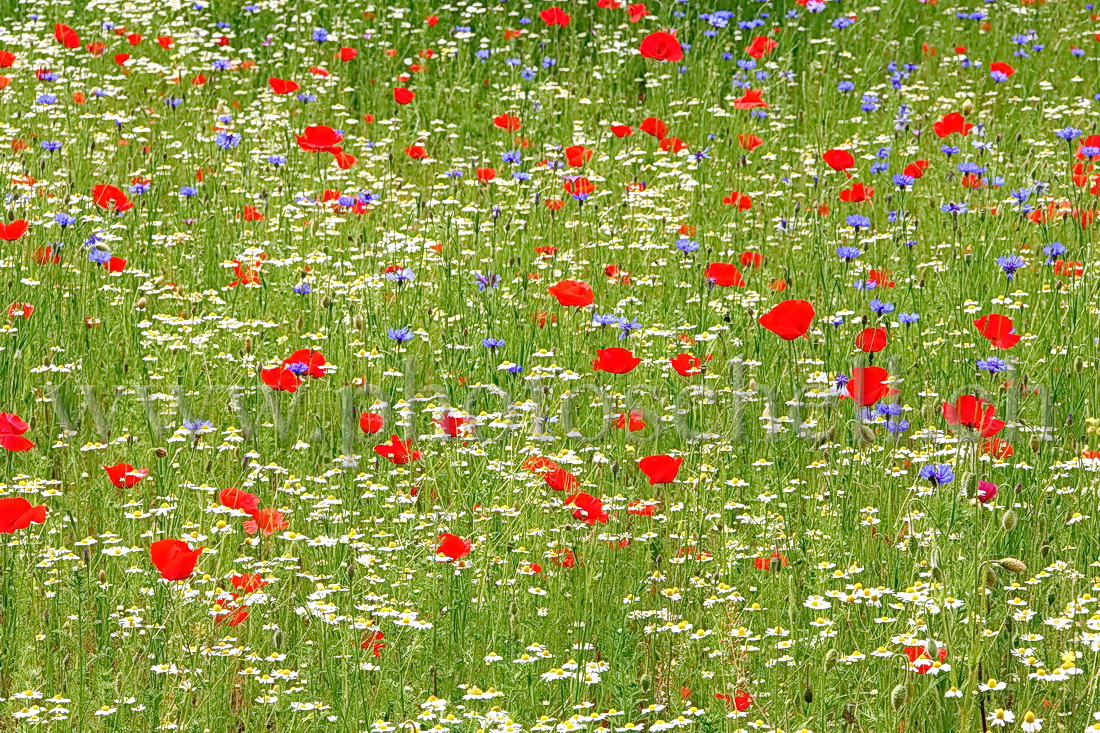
(1035, 444)
(990, 577)
(808, 695)
(102, 576)
(862, 433)
(1008, 521)
(967, 107)
(898, 697)
(1012, 564)
(160, 452)
(248, 345)
(141, 303)
(932, 648)
(831, 658)
(351, 571)
(1078, 365)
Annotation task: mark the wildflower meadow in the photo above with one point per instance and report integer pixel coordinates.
(570, 366)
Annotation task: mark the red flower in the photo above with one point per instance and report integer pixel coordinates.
(951, 124)
(66, 36)
(11, 433)
(283, 86)
(373, 641)
(7, 58)
(268, 521)
(511, 123)
(280, 379)
(401, 95)
(857, 193)
(750, 100)
(311, 358)
(20, 310)
(916, 168)
(749, 142)
(774, 562)
(13, 231)
(577, 186)
(660, 469)
(572, 293)
(17, 513)
(125, 476)
(615, 360)
(872, 340)
(724, 275)
(320, 139)
(230, 612)
(632, 422)
(789, 319)
(918, 657)
(636, 12)
(453, 425)
(686, 365)
(115, 264)
(485, 174)
(371, 422)
(248, 583)
(251, 213)
(397, 451)
(755, 260)
(760, 47)
(174, 558)
(661, 46)
(1002, 67)
(242, 501)
(577, 155)
(740, 200)
(416, 152)
(970, 411)
(998, 329)
(839, 160)
(452, 547)
(866, 385)
(622, 131)
(655, 127)
(589, 509)
(559, 479)
(110, 197)
(348, 53)
(555, 16)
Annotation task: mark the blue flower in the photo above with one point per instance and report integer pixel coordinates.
(938, 473)
(858, 221)
(881, 308)
(492, 343)
(302, 288)
(907, 318)
(227, 140)
(489, 280)
(687, 245)
(847, 252)
(1010, 264)
(993, 365)
(400, 335)
(320, 35)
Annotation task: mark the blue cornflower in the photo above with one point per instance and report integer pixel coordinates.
(993, 365)
(99, 256)
(512, 156)
(907, 318)
(903, 181)
(1069, 133)
(687, 245)
(400, 335)
(858, 221)
(302, 288)
(298, 367)
(227, 140)
(626, 326)
(401, 276)
(1010, 264)
(954, 208)
(492, 344)
(51, 145)
(47, 99)
(63, 220)
(601, 319)
(489, 280)
(1054, 249)
(320, 35)
(880, 307)
(845, 86)
(197, 426)
(276, 160)
(938, 473)
(848, 252)
(897, 426)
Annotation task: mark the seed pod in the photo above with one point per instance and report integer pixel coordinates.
(1035, 444)
(831, 658)
(141, 303)
(898, 697)
(933, 649)
(967, 107)
(1008, 521)
(862, 433)
(990, 577)
(808, 695)
(1012, 564)
(102, 576)
(248, 345)
(160, 452)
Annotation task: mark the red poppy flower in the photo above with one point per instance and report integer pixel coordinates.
(416, 152)
(7, 58)
(573, 293)
(839, 160)
(320, 139)
(636, 12)
(750, 100)
(740, 200)
(789, 319)
(555, 16)
(661, 46)
(17, 513)
(916, 168)
(115, 264)
(872, 340)
(755, 260)
(371, 422)
(455, 425)
(283, 86)
(686, 365)
(881, 278)
(621, 131)
(559, 479)
(997, 448)
(511, 123)
(251, 213)
(539, 463)
(401, 95)
(311, 358)
(577, 155)
(13, 231)
(724, 275)
(348, 53)
(970, 411)
(589, 509)
(655, 127)
(125, 476)
(268, 521)
(660, 469)
(243, 501)
(918, 657)
(280, 379)
(577, 186)
(866, 385)
(397, 451)
(485, 175)
(774, 562)
(248, 583)
(174, 558)
(632, 422)
(66, 36)
(452, 547)
(760, 47)
(20, 310)
(998, 329)
(110, 197)
(857, 193)
(749, 142)
(373, 640)
(1002, 67)
(951, 124)
(615, 360)
(11, 433)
